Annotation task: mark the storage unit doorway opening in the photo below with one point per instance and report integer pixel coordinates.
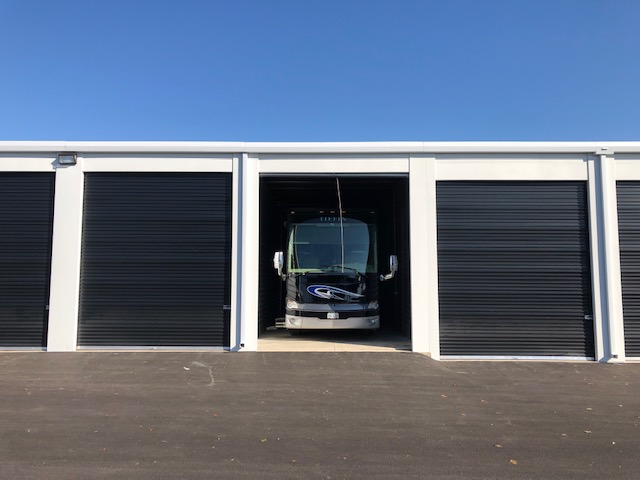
(384, 201)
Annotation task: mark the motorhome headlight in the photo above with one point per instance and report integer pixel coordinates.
(373, 305)
(292, 304)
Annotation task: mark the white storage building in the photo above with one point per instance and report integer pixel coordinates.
(506, 249)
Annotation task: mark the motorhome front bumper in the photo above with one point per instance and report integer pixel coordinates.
(317, 323)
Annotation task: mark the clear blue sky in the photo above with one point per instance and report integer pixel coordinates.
(330, 70)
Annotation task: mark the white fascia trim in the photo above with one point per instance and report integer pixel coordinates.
(319, 147)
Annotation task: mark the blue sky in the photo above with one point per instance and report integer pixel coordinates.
(331, 70)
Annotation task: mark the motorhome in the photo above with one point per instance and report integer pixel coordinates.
(330, 269)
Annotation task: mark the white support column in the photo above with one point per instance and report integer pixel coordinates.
(65, 260)
(598, 274)
(614, 318)
(249, 253)
(236, 250)
(424, 255)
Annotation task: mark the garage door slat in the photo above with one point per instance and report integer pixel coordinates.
(26, 225)
(156, 259)
(514, 269)
(629, 233)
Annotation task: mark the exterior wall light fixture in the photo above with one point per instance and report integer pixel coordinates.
(67, 159)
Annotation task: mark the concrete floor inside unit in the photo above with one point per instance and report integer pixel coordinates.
(281, 340)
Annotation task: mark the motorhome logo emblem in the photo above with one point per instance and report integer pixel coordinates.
(332, 293)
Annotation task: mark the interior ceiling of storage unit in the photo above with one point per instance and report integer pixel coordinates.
(357, 192)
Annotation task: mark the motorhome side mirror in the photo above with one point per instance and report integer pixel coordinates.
(393, 268)
(278, 262)
(393, 264)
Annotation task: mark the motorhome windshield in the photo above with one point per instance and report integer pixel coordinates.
(315, 246)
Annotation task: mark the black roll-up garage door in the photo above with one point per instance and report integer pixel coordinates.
(629, 234)
(514, 269)
(26, 223)
(156, 259)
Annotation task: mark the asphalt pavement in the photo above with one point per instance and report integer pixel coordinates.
(172, 415)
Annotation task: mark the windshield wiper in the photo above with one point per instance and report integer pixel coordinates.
(343, 267)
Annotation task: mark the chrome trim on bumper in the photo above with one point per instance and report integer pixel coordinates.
(316, 323)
